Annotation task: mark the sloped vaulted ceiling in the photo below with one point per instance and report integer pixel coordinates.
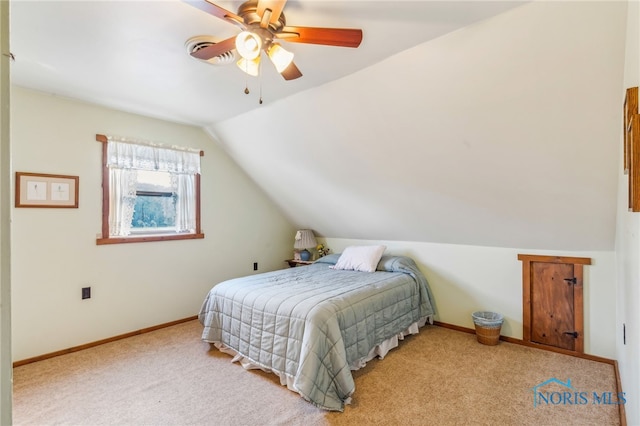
(131, 55)
(505, 133)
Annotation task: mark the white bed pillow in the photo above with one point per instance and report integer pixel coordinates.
(360, 258)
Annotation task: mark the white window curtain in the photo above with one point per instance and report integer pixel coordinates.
(125, 157)
(122, 187)
(186, 203)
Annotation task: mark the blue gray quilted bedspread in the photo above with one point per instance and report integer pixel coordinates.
(310, 323)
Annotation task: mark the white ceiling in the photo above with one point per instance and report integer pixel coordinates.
(131, 55)
(504, 133)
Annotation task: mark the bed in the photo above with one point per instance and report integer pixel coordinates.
(312, 325)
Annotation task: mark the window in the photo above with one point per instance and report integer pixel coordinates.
(149, 192)
(155, 206)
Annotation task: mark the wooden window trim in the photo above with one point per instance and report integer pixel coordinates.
(106, 239)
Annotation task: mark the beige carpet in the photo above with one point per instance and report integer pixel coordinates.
(438, 377)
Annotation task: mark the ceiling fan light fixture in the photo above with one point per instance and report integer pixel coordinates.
(280, 57)
(262, 22)
(251, 67)
(248, 45)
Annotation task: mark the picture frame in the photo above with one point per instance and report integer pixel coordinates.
(630, 108)
(46, 190)
(634, 169)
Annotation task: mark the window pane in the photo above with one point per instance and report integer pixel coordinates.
(154, 211)
(155, 205)
(159, 179)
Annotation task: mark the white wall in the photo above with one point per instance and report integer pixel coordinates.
(628, 244)
(465, 279)
(501, 134)
(133, 285)
(497, 139)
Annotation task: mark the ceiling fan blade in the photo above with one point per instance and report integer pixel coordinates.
(343, 37)
(275, 6)
(217, 11)
(214, 50)
(291, 72)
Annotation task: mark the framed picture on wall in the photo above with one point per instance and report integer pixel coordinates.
(45, 190)
(631, 140)
(630, 108)
(634, 168)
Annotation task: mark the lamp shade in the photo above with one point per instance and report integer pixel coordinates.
(304, 239)
(251, 67)
(248, 45)
(280, 57)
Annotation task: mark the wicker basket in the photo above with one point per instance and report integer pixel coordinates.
(488, 336)
(488, 326)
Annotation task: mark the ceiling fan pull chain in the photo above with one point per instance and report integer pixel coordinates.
(246, 80)
(260, 76)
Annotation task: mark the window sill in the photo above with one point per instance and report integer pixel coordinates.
(147, 238)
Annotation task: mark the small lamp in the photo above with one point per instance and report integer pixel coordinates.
(280, 57)
(248, 45)
(304, 240)
(250, 66)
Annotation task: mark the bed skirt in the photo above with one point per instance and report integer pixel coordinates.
(379, 351)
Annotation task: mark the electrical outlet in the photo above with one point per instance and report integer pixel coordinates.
(86, 293)
(255, 266)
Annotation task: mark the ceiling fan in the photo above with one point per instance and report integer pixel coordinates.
(262, 23)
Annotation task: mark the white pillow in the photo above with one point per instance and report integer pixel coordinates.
(360, 258)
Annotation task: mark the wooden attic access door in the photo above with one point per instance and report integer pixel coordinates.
(552, 306)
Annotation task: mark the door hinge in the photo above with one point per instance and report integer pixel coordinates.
(572, 333)
(571, 280)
